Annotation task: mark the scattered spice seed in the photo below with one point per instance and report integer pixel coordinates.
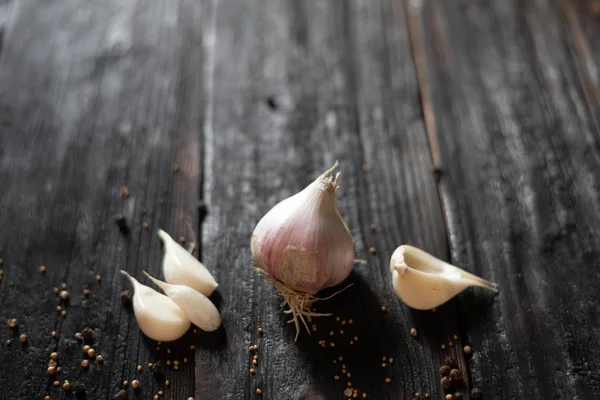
(383, 365)
(445, 370)
(23, 338)
(258, 391)
(391, 360)
(8, 341)
(350, 321)
(348, 392)
(182, 239)
(66, 386)
(443, 347)
(47, 398)
(124, 191)
(332, 344)
(100, 358)
(54, 356)
(341, 331)
(260, 330)
(185, 360)
(98, 278)
(55, 290)
(352, 342)
(252, 371)
(168, 362)
(449, 397)
(121, 395)
(135, 384)
(86, 292)
(192, 347)
(372, 250)
(387, 380)
(356, 338)
(149, 365)
(85, 363)
(190, 398)
(64, 295)
(413, 332)
(167, 382)
(455, 337)
(372, 227)
(54, 333)
(384, 358)
(349, 375)
(417, 394)
(52, 363)
(58, 369)
(51, 370)
(42, 269)
(446, 383)
(56, 383)
(63, 286)
(176, 367)
(86, 348)
(467, 350)
(177, 362)
(58, 308)
(427, 395)
(364, 395)
(139, 368)
(349, 384)
(13, 323)
(87, 335)
(475, 393)
(455, 374)
(254, 361)
(125, 383)
(155, 397)
(91, 353)
(337, 318)
(336, 377)
(63, 314)
(145, 225)
(383, 308)
(450, 344)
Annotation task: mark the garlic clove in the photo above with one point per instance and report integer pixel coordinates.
(182, 268)
(158, 316)
(196, 306)
(423, 281)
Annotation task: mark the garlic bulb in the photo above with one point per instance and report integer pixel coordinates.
(424, 282)
(157, 315)
(303, 245)
(182, 268)
(196, 306)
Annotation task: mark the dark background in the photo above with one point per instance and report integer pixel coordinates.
(478, 120)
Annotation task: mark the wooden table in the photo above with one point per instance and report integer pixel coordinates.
(478, 120)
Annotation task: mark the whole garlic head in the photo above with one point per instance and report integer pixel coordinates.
(303, 241)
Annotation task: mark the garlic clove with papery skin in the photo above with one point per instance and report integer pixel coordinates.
(302, 245)
(196, 306)
(157, 315)
(423, 281)
(182, 268)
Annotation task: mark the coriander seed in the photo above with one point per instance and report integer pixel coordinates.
(51, 370)
(372, 250)
(63, 285)
(135, 384)
(260, 330)
(387, 380)
(54, 356)
(413, 332)
(23, 338)
(85, 363)
(13, 323)
(91, 353)
(467, 350)
(42, 269)
(100, 358)
(64, 295)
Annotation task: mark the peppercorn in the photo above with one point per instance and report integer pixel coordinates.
(444, 370)
(79, 387)
(122, 395)
(455, 374)
(447, 383)
(87, 335)
(475, 393)
(451, 362)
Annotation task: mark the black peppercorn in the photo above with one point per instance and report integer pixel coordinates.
(444, 370)
(126, 297)
(475, 393)
(79, 387)
(121, 222)
(455, 374)
(122, 395)
(158, 370)
(451, 362)
(86, 334)
(447, 384)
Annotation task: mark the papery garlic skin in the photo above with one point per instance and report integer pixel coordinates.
(423, 281)
(157, 315)
(303, 241)
(182, 268)
(196, 306)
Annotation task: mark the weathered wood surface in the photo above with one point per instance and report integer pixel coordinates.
(478, 119)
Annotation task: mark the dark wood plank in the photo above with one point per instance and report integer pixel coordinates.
(93, 96)
(342, 76)
(517, 145)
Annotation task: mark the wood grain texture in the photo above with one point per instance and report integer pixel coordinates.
(518, 150)
(93, 97)
(342, 77)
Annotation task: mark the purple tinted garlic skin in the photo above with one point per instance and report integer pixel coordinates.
(303, 241)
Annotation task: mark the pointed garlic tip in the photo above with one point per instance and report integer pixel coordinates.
(328, 173)
(197, 307)
(158, 316)
(423, 281)
(181, 267)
